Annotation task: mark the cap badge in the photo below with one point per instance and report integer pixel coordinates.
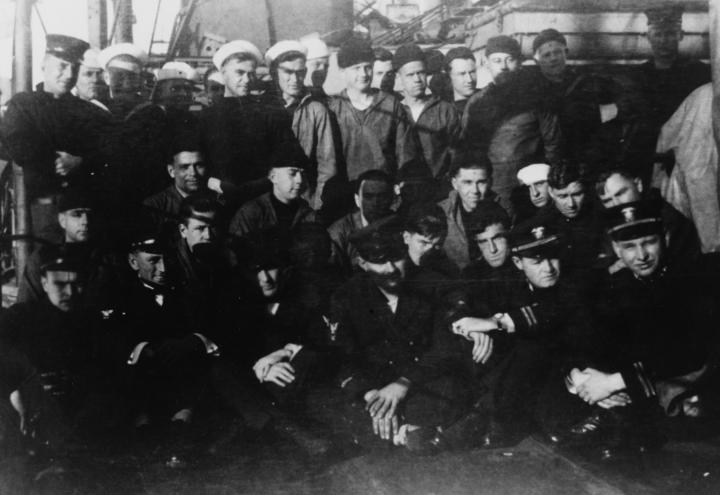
(629, 214)
(538, 232)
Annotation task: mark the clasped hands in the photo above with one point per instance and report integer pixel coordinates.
(275, 368)
(382, 406)
(596, 387)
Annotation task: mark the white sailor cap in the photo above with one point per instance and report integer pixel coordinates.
(284, 46)
(233, 47)
(118, 49)
(316, 48)
(91, 59)
(177, 70)
(535, 172)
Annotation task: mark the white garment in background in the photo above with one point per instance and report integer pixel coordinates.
(692, 187)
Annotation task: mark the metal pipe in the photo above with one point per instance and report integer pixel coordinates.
(97, 23)
(22, 81)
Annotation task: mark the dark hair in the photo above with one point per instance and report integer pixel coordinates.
(240, 57)
(486, 214)
(382, 55)
(375, 175)
(428, 220)
(208, 73)
(469, 159)
(563, 173)
(604, 175)
(197, 206)
(285, 57)
(310, 245)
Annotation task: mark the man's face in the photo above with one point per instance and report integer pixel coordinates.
(358, 76)
(542, 273)
(383, 75)
(472, 185)
(551, 57)
(76, 224)
(268, 280)
(539, 193)
(317, 69)
(389, 276)
(642, 255)
(463, 76)
(413, 79)
(290, 77)
(198, 231)
(175, 93)
(665, 41)
(500, 65)
(570, 200)
(493, 245)
(420, 246)
(215, 92)
(124, 82)
(619, 190)
(239, 77)
(374, 199)
(59, 75)
(150, 267)
(287, 183)
(188, 171)
(62, 288)
(90, 83)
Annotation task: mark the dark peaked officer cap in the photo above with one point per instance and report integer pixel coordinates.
(66, 47)
(632, 220)
(380, 241)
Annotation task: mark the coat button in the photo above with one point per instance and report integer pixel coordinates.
(390, 362)
(417, 359)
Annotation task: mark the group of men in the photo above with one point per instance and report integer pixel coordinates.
(440, 269)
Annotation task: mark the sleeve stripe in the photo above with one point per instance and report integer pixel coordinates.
(647, 385)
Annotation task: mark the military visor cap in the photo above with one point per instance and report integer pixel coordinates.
(380, 241)
(535, 239)
(633, 220)
(66, 47)
(59, 258)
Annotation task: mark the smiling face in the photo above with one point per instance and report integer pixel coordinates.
(540, 272)
(493, 244)
(188, 171)
(552, 58)
(642, 255)
(150, 267)
(472, 185)
(358, 76)
(413, 79)
(569, 200)
(287, 183)
(239, 76)
(59, 75)
(388, 276)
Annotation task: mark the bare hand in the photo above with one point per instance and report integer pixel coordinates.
(281, 374)
(262, 366)
(385, 402)
(620, 399)
(385, 428)
(466, 325)
(599, 385)
(482, 347)
(505, 322)
(65, 163)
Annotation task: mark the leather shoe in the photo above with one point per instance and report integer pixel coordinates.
(426, 441)
(467, 432)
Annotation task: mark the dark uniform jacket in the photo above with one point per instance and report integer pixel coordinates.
(344, 253)
(576, 99)
(239, 135)
(164, 206)
(654, 328)
(37, 125)
(378, 346)
(36, 337)
(259, 214)
(438, 129)
(379, 137)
